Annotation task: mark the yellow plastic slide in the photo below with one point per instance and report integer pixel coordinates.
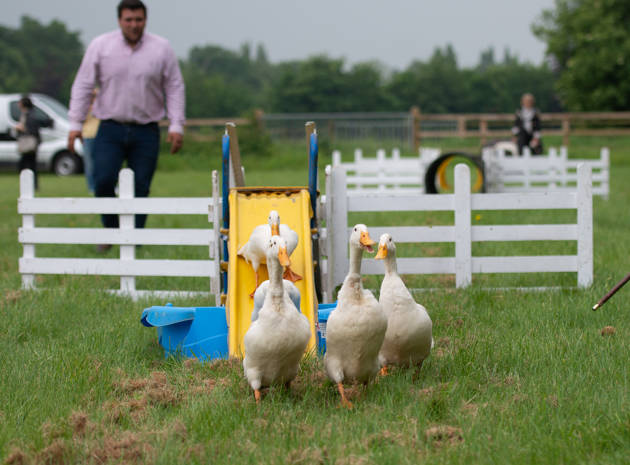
(250, 207)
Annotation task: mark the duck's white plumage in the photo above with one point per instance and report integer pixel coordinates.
(408, 340)
(356, 328)
(276, 341)
(254, 250)
(261, 293)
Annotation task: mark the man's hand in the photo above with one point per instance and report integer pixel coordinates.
(72, 136)
(535, 142)
(176, 140)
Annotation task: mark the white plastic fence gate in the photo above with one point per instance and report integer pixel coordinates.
(127, 266)
(334, 239)
(554, 171)
(395, 175)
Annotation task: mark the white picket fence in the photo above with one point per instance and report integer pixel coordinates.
(396, 175)
(338, 204)
(393, 175)
(127, 236)
(553, 171)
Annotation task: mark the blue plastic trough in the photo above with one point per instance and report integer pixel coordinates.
(202, 332)
(199, 332)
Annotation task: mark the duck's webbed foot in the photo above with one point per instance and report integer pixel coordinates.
(344, 401)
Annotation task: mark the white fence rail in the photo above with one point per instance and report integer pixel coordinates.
(396, 175)
(334, 240)
(126, 236)
(553, 171)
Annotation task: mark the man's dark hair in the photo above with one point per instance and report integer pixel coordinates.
(26, 102)
(131, 5)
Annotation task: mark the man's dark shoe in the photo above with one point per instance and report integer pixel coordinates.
(102, 248)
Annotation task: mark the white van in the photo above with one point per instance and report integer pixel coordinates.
(52, 154)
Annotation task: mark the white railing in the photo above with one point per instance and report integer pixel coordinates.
(553, 171)
(126, 236)
(394, 175)
(334, 238)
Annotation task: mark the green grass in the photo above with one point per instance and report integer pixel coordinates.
(520, 377)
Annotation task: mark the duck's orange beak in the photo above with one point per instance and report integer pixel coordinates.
(283, 257)
(275, 230)
(382, 252)
(366, 241)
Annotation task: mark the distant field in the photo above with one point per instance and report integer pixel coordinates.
(514, 378)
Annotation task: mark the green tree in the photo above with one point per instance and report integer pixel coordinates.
(436, 86)
(49, 57)
(317, 84)
(588, 42)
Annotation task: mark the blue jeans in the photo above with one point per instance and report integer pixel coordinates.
(88, 163)
(116, 142)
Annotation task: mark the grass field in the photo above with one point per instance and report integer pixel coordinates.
(514, 378)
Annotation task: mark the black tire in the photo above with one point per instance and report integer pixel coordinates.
(66, 164)
(429, 178)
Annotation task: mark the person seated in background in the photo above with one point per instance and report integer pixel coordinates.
(526, 129)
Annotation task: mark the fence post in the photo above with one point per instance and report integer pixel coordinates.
(381, 177)
(338, 250)
(605, 171)
(566, 130)
(127, 222)
(336, 158)
(585, 225)
(27, 191)
(328, 276)
(414, 118)
(483, 130)
(463, 247)
(215, 250)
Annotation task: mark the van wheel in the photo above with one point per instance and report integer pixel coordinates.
(66, 163)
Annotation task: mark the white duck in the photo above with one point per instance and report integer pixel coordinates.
(408, 340)
(356, 328)
(254, 249)
(276, 341)
(261, 293)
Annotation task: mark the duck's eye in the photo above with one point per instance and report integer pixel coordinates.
(355, 229)
(390, 239)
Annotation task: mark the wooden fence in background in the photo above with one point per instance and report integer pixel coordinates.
(415, 126)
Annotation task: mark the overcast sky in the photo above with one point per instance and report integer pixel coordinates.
(394, 32)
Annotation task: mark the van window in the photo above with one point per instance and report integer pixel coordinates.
(43, 118)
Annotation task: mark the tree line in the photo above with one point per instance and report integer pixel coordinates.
(588, 57)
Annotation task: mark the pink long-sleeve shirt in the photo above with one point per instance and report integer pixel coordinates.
(137, 85)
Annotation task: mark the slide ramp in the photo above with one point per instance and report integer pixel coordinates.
(250, 207)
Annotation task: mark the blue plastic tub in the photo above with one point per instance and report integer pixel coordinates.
(323, 312)
(199, 332)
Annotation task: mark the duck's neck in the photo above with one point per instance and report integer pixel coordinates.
(356, 254)
(274, 268)
(390, 263)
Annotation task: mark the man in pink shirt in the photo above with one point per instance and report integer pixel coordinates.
(139, 81)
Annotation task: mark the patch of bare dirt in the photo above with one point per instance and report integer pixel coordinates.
(444, 435)
(127, 447)
(79, 423)
(552, 401)
(53, 454)
(12, 296)
(16, 457)
(206, 387)
(608, 330)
